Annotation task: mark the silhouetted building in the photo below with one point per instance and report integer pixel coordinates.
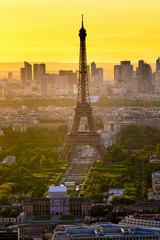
(28, 68)
(23, 77)
(99, 72)
(123, 72)
(36, 71)
(64, 82)
(88, 72)
(158, 64)
(96, 76)
(93, 69)
(39, 70)
(42, 69)
(53, 79)
(144, 75)
(117, 73)
(70, 74)
(123, 76)
(157, 82)
(10, 76)
(44, 85)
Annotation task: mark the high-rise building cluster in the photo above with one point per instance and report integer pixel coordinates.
(96, 79)
(140, 81)
(34, 80)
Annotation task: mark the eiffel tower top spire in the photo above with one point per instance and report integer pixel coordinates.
(83, 98)
(82, 32)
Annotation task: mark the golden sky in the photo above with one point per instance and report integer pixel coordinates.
(47, 30)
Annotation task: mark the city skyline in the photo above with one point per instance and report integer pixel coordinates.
(46, 31)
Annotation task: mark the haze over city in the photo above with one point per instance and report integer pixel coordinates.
(80, 120)
(47, 30)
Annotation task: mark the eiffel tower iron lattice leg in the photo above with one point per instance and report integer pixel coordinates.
(83, 109)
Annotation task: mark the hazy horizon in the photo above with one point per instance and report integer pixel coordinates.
(54, 67)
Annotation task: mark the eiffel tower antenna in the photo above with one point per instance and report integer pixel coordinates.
(83, 109)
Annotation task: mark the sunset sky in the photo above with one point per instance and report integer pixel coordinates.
(47, 30)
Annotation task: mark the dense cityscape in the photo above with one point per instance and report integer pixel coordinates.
(80, 149)
(35, 81)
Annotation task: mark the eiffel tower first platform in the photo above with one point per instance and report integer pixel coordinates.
(83, 109)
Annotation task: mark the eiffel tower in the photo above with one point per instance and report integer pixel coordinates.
(83, 109)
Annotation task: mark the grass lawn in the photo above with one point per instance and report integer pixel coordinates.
(67, 218)
(78, 181)
(70, 187)
(43, 218)
(72, 193)
(80, 169)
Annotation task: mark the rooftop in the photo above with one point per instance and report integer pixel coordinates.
(104, 230)
(57, 189)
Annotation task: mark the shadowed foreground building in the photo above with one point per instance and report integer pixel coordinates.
(105, 231)
(58, 203)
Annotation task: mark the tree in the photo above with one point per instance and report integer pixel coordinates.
(5, 211)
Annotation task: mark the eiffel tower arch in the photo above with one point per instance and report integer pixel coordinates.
(83, 109)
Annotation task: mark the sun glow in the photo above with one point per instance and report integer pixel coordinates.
(48, 30)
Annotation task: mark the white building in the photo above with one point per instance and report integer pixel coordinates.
(140, 221)
(154, 195)
(58, 200)
(156, 181)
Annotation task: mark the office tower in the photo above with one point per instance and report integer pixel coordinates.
(93, 69)
(144, 75)
(42, 70)
(28, 68)
(123, 72)
(99, 73)
(96, 76)
(23, 78)
(126, 71)
(88, 72)
(72, 79)
(64, 87)
(10, 76)
(157, 81)
(39, 70)
(117, 73)
(83, 109)
(158, 64)
(44, 85)
(64, 82)
(36, 72)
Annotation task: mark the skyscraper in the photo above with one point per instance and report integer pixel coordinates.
(23, 78)
(36, 71)
(88, 72)
(144, 75)
(99, 72)
(39, 70)
(123, 72)
(44, 85)
(93, 69)
(117, 73)
(10, 76)
(42, 69)
(28, 68)
(70, 74)
(158, 64)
